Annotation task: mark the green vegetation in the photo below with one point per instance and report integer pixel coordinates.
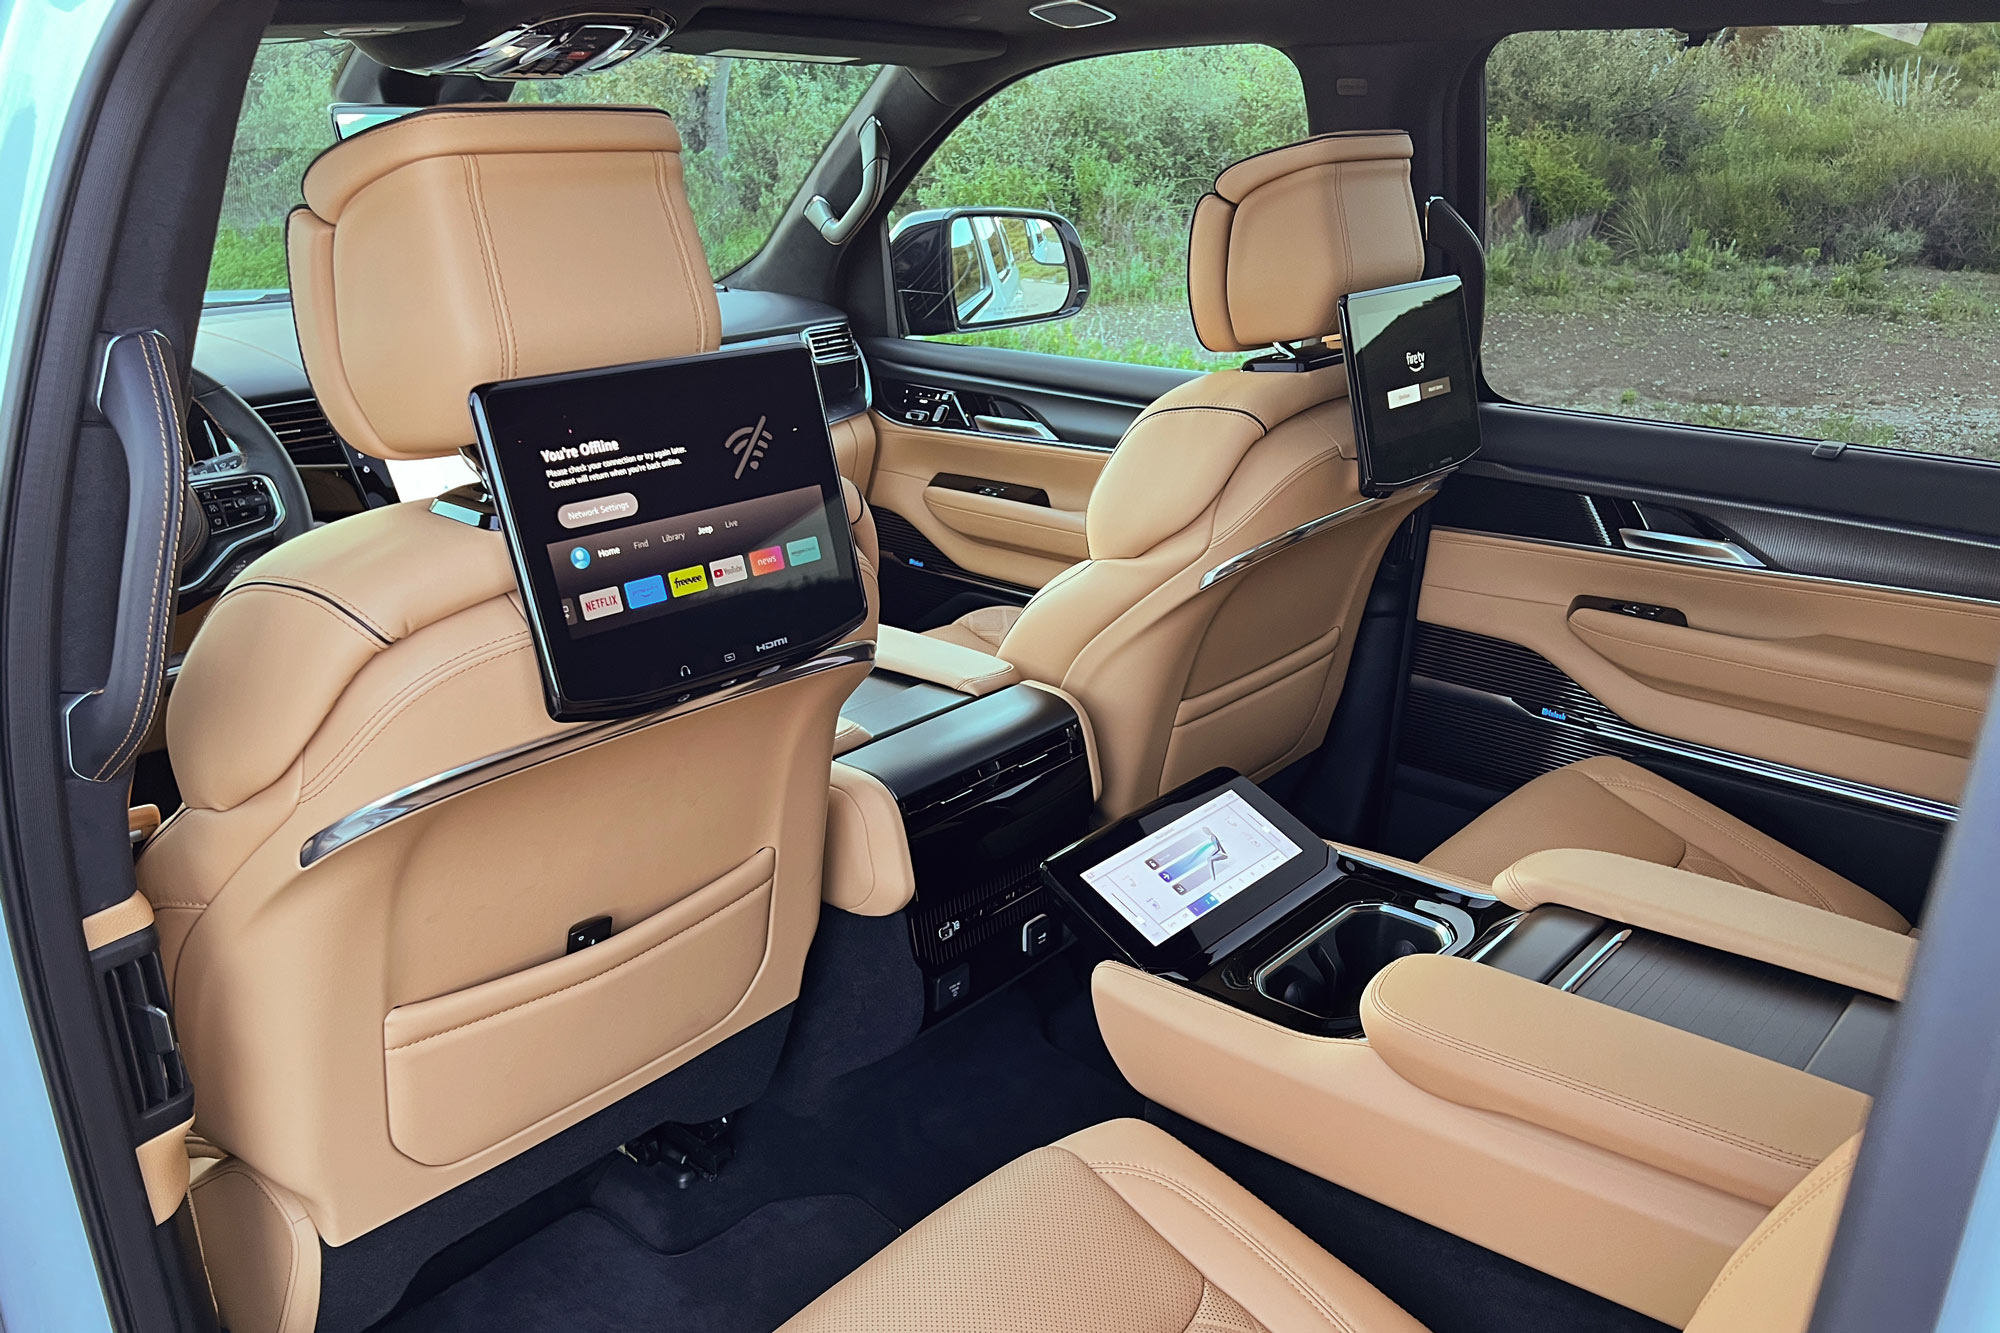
(752, 129)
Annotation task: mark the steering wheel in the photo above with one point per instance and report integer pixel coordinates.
(252, 499)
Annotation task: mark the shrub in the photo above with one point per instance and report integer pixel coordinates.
(1654, 219)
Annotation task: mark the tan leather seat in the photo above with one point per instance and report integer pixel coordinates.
(1122, 1229)
(1611, 805)
(1181, 668)
(373, 1023)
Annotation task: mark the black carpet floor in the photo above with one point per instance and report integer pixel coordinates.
(814, 1189)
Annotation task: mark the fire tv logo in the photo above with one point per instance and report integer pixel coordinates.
(749, 444)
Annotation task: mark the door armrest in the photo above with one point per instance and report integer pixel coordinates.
(1744, 921)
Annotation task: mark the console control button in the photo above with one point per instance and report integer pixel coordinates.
(1038, 936)
(951, 987)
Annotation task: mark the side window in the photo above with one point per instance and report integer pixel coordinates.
(1121, 146)
(1788, 230)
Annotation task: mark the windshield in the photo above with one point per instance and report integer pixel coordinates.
(752, 129)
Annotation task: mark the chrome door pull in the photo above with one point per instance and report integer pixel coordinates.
(1705, 549)
(1014, 426)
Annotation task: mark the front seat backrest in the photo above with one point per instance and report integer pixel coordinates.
(374, 994)
(1213, 622)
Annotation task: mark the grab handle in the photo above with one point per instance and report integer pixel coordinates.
(874, 178)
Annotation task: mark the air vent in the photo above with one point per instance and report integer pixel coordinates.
(206, 440)
(136, 991)
(304, 431)
(832, 342)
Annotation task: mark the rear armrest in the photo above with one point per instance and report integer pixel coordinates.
(1747, 922)
(1487, 1039)
(951, 665)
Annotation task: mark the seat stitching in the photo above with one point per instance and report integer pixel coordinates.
(1229, 1224)
(317, 603)
(292, 1269)
(503, 334)
(680, 247)
(369, 734)
(343, 603)
(1200, 407)
(1805, 886)
(595, 976)
(143, 705)
(1467, 1046)
(1777, 1222)
(1592, 632)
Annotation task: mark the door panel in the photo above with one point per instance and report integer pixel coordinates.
(1877, 687)
(985, 461)
(1002, 540)
(1821, 675)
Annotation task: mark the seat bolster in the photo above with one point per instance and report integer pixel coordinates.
(983, 630)
(1243, 1248)
(1771, 1283)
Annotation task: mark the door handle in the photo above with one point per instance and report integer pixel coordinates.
(1015, 426)
(1705, 549)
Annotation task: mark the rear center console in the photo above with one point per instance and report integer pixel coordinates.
(984, 789)
(1219, 887)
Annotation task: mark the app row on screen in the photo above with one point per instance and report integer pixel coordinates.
(657, 588)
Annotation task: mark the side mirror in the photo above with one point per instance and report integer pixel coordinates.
(963, 270)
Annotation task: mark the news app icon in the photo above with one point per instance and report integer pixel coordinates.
(770, 560)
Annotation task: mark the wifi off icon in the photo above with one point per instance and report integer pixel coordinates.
(749, 444)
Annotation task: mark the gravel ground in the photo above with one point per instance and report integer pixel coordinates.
(1916, 385)
(1911, 383)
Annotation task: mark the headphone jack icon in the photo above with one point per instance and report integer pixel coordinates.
(749, 444)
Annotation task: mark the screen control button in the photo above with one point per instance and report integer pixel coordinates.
(604, 509)
(1038, 936)
(950, 988)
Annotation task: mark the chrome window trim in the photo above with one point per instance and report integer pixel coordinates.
(465, 777)
(1264, 550)
(1764, 572)
(1885, 798)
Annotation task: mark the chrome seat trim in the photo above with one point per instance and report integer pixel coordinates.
(456, 781)
(1264, 550)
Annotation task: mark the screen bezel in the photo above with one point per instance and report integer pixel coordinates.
(1063, 873)
(1359, 390)
(540, 601)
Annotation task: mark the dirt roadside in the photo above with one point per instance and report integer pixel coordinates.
(1913, 385)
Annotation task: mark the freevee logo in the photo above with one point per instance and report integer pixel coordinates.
(693, 579)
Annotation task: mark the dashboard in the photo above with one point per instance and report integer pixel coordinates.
(253, 351)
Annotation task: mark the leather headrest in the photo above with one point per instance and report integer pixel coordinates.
(466, 244)
(1289, 232)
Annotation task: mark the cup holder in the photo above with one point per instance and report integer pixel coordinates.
(1325, 973)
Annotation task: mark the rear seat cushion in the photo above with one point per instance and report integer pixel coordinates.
(982, 629)
(1611, 805)
(1118, 1227)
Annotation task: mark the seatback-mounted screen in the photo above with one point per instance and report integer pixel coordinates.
(1411, 382)
(676, 526)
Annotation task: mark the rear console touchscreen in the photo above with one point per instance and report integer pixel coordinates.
(675, 526)
(1410, 381)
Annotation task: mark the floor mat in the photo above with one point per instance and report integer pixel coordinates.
(814, 1188)
(588, 1270)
